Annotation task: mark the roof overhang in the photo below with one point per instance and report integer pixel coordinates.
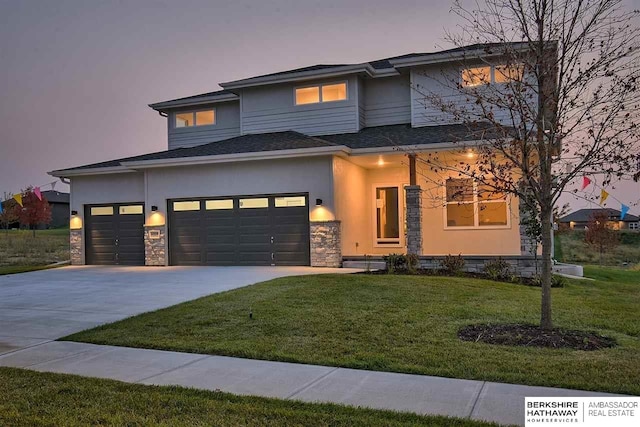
(194, 101)
(365, 69)
(68, 173)
(417, 148)
(135, 166)
(435, 58)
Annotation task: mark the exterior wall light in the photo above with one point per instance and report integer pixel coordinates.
(154, 208)
(318, 202)
(74, 212)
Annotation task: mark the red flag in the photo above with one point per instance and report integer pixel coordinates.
(585, 182)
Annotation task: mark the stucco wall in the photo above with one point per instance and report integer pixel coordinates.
(355, 208)
(350, 183)
(300, 175)
(109, 188)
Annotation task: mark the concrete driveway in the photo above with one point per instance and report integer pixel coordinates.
(45, 305)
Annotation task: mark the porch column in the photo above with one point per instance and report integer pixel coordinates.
(414, 219)
(326, 246)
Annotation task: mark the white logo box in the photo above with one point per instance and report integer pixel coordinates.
(582, 411)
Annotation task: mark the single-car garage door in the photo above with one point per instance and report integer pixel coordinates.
(240, 230)
(114, 234)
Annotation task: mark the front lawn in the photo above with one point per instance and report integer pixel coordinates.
(20, 251)
(32, 399)
(402, 324)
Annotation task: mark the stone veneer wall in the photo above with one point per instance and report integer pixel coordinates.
(75, 246)
(524, 266)
(154, 249)
(414, 219)
(326, 247)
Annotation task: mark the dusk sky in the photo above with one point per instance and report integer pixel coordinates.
(76, 76)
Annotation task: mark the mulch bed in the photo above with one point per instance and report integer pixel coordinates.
(533, 336)
(528, 281)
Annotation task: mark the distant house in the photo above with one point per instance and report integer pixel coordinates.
(59, 203)
(578, 220)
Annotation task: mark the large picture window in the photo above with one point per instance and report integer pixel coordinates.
(469, 204)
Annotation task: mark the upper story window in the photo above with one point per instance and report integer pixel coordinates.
(195, 118)
(470, 204)
(478, 76)
(321, 93)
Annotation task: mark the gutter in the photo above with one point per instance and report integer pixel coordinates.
(453, 56)
(66, 173)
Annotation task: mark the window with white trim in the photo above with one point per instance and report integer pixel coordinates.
(469, 204)
(195, 118)
(478, 76)
(387, 216)
(321, 93)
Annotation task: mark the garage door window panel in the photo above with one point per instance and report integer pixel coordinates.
(193, 205)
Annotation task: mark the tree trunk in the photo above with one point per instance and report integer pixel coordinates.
(545, 317)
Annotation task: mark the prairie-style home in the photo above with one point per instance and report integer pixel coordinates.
(300, 167)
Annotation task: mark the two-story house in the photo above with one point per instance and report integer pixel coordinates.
(301, 167)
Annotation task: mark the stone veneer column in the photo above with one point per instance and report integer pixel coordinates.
(75, 246)
(326, 246)
(154, 245)
(414, 219)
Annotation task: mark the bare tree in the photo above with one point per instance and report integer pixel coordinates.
(600, 234)
(550, 91)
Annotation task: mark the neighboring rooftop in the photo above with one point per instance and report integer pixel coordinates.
(53, 196)
(585, 215)
(373, 137)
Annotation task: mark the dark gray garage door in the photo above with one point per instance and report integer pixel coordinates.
(114, 234)
(241, 230)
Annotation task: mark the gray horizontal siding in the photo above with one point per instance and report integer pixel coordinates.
(227, 126)
(273, 109)
(387, 101)
(437, 81)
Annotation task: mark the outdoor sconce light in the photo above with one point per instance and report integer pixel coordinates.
(74, 212)
(318, 202)
(154, 208)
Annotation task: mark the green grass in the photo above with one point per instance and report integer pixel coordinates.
(18, 248)
(570, 247)
(42, 399)
(612, 274)
(402, 324)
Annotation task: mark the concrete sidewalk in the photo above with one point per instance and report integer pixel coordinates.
(478, 400)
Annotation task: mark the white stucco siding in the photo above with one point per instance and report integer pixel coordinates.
(272, 109)
(352, 206)
(311, 175)
(107, 189)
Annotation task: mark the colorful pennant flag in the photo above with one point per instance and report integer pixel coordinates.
(18, 198)
(603, 196)
(585, 182)
(1, 206)
(623, 211)
(36, 191)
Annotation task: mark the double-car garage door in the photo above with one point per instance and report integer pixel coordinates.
(240, 230)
